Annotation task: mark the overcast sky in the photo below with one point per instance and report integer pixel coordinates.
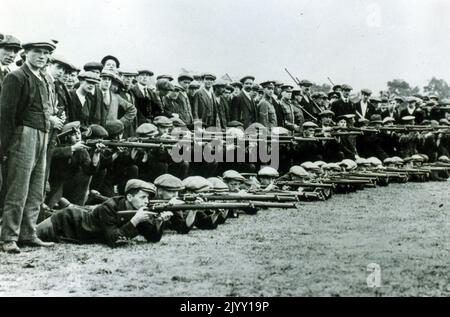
(364, 43)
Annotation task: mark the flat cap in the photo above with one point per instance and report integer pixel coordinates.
(388, 119)
(434, 96)
(229, 88)
(374, 161)
(48, 44)
(277, 83)
(218, 185)
(110, 57)
(349, 164)
(10, 41)
(319, 163)
(408, 118)
(363, 120)
(257, 88)
(333, 94)
(280, 131)
(267, 83)
(305, 82)
(169, 182)
(399, 99)
(336, 87)
(417, 158)
(168, 77)
(164, 84)
(145, 72)
(445, 102)
(366, 91)
(62, 61)
(237, 133)
(89, 76)
(375, 99)
(376, 118)
(129, 73)
(268, 171)
(185, 76)
(209, 76)
(96, 131)
(233, 175)
(141, 185)
(146, 129)
(177, 122)
(219, 83)
(114, 127)
(310, 166)
(332, 167)
(326, 113)
(107, 73)
(197, 184)
(287, 88)
(237, 84)
(243, 79)
(194, 85)
(256, 127)
(309, 125)
(70, 126)
(93, 66)
(235, 124)
(444, 122)
(444, 159)
(298, 171)
(162, 121)
(346, 87)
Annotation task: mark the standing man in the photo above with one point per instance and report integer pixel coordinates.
(344, 105)
(9, 47)
(25, 122)
(203, 107)
(184, 80)
(364, 108)
(147, 102)
(293, 119)
(266, 114)
(242, 106)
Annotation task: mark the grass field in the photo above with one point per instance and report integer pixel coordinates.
(322, 250)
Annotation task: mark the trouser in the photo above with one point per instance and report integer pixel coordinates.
(25, 183)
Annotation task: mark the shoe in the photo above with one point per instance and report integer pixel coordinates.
(11, 247)
(36, 243)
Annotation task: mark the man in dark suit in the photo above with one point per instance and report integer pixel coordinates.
(365, 108)
(82, 106)
(392, 111)
(306, 102)
(203, 106)
(25, 108)
(243, 106)
(413, 110)
(147, 102)
(343, 106)
(9, 47)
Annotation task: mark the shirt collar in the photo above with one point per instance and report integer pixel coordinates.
(247, 94)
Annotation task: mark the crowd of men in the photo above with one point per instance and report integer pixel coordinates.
(50, 109)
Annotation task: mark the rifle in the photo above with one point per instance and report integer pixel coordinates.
(125, 144)
(160, 207)
(304, 184)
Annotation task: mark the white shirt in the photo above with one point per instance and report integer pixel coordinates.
(247, 94)
(81, 97)
(36, 73)
(305, 97)
(208, 92)
(142, 88)
(363, 108)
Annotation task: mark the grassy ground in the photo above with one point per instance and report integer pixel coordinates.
(322, 250)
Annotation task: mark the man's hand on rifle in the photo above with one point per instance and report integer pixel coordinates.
(78, 146)
(100, 147)
(141, 215)
(165, 215)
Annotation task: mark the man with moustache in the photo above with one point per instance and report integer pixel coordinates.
(25, 107)
(243, 106)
